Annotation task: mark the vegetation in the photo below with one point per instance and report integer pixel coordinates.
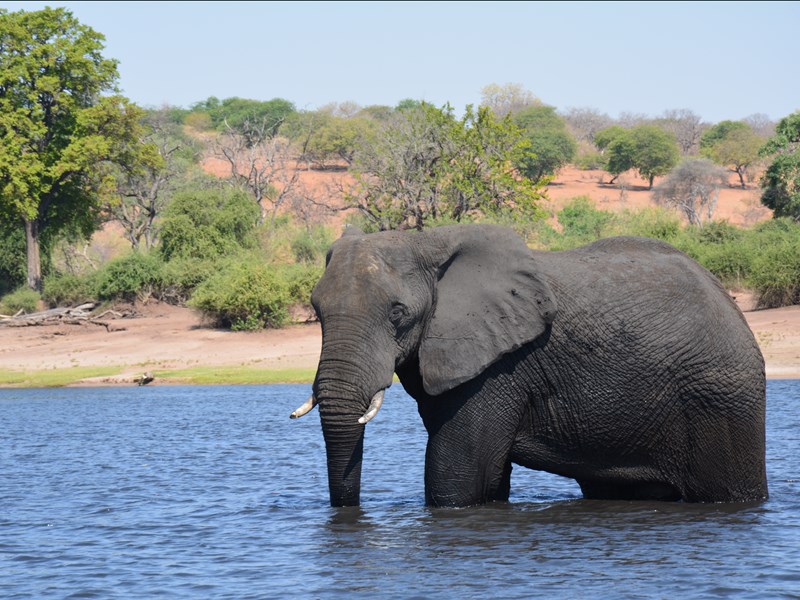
(248, 245)
(781, 181)
(58, 136)
(550, 145)
(426, 166)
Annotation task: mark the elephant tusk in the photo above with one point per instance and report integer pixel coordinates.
(373, 409)
(305, 408)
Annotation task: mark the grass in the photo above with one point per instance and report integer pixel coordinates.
(236, 375)
(47, 378)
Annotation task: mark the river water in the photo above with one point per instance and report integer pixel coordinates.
(212, 492)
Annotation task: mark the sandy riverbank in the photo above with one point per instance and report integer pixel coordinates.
(167, 338)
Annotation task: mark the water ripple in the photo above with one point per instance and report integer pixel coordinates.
(213, 493)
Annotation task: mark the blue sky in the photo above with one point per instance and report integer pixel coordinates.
(723, 60)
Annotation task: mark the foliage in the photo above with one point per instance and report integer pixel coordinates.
(58, 136)
(510, 98)
(251, 294)
(326, 140)
(24, 299)
(693, 188)
(781, 181)
(310, 245)
(425, 164)
(582, 221)
(550, 144)
(12, 257)
(208, 223)
(130, 277)
(144, 189)
(646, 148)
(713, 135)
(242, 114)
(68, 289)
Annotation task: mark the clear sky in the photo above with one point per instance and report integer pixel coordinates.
(723, 60)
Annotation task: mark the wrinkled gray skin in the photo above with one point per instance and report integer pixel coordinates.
(623, 365)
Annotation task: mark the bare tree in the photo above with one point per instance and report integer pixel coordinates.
(629, 120)
(685, 126)
(584, 123)
(508, 98)
(693, 188)
(761, 124)
(143, 190)
(260, 163)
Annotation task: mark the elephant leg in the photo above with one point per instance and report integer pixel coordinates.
(467, 461)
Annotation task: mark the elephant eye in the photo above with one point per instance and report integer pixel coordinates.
(397, 312)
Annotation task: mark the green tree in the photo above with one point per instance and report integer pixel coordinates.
(58, 136)
(738, 150)
(781, 181)
(208, 224)
(717, 133)
(646, 148)
(655, 152)
(550, 144)
(249, 118)
(426, 165)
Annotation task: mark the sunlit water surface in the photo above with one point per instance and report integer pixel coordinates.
(212, 492)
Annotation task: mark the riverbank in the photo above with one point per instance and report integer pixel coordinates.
(175, 347)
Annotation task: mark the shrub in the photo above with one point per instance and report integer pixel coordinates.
(245, 296)
(310, 245)
(130, 277)
(181, 276)
(23, 298)
(656, 223)
(582, 222)
(208, 223)
(68, 290)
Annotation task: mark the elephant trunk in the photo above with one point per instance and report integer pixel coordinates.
(344, 444)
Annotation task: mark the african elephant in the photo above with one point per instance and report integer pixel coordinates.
(623, 365)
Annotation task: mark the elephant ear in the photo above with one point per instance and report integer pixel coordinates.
(489, 301)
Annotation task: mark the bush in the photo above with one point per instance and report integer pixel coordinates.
(133, 276)
(310, 246)
(208, 224)
(68, 290)
(24, 299)
(656, 223)
(249, 294)
(180, 277)
(582, 222)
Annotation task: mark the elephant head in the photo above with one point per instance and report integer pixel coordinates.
(451, 300)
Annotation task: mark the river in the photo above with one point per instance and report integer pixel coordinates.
(212, 492)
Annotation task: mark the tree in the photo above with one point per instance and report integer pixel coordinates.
(58, 136)
(646, 148)
(685, 126)
(737, 150)
(143, 189)
(550, 144)
(510, 98)
(693, 188)
(781, 181)
(655, 152)
(240, 114)
(713, 135)
(260, 163)
(585, 123)
(425, 164)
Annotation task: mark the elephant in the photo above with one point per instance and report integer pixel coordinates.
(623, 365)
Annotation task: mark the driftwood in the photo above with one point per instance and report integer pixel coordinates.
(68, 316)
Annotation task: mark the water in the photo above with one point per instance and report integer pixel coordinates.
(212, 492)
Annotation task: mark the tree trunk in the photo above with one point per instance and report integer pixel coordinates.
(740, 173)
(652, 177)
(34, 258)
